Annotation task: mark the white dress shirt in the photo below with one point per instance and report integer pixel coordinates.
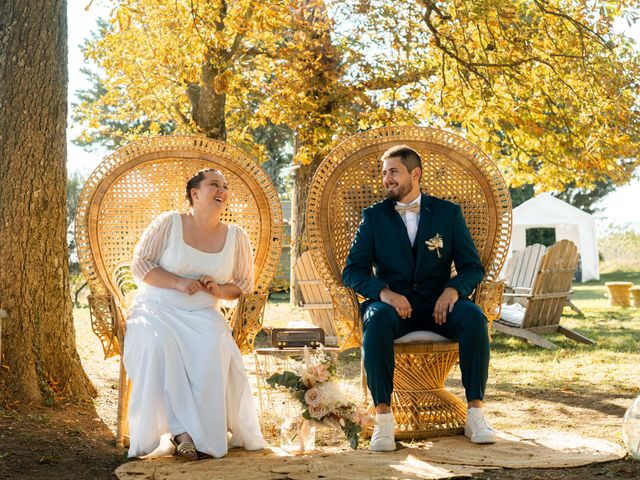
(411, 219)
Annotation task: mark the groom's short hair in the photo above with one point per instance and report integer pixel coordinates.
(407, 155)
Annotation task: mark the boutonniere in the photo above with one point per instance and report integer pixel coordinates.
(435, 243)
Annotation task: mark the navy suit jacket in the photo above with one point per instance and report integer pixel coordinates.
(381, 254)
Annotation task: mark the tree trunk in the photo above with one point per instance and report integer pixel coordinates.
(207, 104)
(301, 184)
(40, 361)
(322, 70)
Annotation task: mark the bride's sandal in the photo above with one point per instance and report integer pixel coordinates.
(186, 450)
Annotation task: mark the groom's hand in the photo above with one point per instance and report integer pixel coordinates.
(444, 305)
(397, 301)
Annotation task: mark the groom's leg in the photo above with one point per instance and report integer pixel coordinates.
(380, 325)
(468, 324)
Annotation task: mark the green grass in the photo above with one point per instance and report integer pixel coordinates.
(595, 290)
(610, 366)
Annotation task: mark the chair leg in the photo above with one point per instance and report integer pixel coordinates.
(524, 334)
(427, 414)
(122, 423)
(575, 336)
(573, 307)
(363, 383)
(421, 405)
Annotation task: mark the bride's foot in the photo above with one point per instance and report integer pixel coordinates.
(185, 447)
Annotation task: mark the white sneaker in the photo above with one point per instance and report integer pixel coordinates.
(477, 428)
(383, 438)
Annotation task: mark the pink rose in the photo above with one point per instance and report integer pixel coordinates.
(320, 373)
(318, 411)
(313, 396)
(362, 417)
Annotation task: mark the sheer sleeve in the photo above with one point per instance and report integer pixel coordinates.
(243, 262)
(151, 245)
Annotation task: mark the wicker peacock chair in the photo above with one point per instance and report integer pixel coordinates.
(347, 181)
(133, 186)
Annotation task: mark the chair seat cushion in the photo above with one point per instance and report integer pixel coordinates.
(512, 314)
(421, 336)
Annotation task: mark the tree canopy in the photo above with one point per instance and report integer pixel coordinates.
(546, 87)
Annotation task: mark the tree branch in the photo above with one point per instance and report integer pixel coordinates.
(579, 26)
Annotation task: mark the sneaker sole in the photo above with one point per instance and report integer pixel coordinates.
(383, 450)
(479, 441)
(484, 442)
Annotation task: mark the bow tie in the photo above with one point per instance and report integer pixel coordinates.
(414, 207)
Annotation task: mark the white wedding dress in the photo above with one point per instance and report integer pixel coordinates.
(186, 370)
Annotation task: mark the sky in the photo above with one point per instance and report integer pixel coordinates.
(616, 209)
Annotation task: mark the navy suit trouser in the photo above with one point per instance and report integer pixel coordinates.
(382, 325)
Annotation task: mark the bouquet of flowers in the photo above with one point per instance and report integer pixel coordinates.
(315, 385)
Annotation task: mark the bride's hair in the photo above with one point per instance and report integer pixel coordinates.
(194, 182)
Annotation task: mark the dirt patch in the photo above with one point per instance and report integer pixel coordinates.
(68, 441)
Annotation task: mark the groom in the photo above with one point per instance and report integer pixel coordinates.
(400, 260)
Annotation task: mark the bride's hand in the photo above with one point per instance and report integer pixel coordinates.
(210, 285)
(189, 286)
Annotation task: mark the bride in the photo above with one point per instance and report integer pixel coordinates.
(186, 370)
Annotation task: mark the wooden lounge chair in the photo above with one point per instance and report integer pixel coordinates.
(522, 268)
(347, 181)
(133, 186)
(315, 296)
(547, 298)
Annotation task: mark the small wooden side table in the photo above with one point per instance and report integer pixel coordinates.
(635, 295)
(276, 405)
(619, 293)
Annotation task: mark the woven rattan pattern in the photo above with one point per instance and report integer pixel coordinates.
(104, 315)
(143, 179)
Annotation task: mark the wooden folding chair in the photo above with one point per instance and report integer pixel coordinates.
(547, 298)
(522, 269)
(525, 267)
(315, 296)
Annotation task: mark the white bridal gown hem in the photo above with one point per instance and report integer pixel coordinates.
(186, 370)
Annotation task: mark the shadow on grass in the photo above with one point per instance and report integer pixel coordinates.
(600, 401)
(568, 373)
(620, 276)
(614, 339)
(622, 469)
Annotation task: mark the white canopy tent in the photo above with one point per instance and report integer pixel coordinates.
(569, 222)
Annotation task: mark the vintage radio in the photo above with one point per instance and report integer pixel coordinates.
(297, 337)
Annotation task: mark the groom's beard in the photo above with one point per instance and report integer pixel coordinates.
(399, 192)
